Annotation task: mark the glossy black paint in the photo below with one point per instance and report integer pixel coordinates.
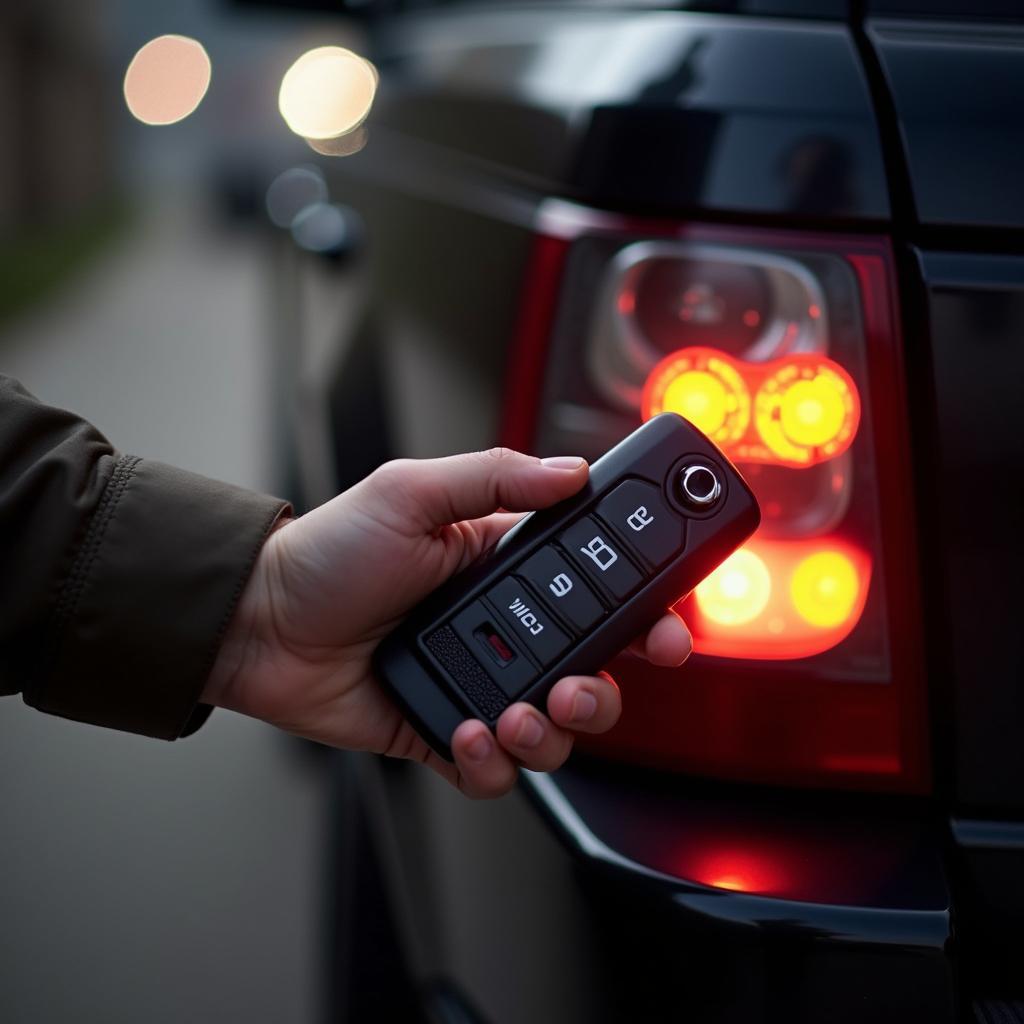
(987, 871)
(599, 919)
(856, 928)
(583, 919)
(654, 111)
(957, 90)
(975, 306)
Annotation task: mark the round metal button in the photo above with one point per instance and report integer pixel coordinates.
(700, 486)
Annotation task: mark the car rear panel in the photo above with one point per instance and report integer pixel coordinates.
(484, 116)
(645, 110)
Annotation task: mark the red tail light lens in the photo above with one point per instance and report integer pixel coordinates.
(784, 350)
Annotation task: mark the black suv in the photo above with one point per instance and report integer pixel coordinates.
(800, 223)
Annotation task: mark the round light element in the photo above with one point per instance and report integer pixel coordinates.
(701, 386)
(825, 589)
(292, 191)
(167, 79)
(807, 411)
(322, 228)
(737, 591)
(813, 411)
(327, 92)
(700, 397)
(345, 145)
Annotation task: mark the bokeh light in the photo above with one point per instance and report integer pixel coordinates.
(292, 191)
(327, 92)
(167, 79)
(825, 589)
(345, 145)
(323, 228)
(737, 591)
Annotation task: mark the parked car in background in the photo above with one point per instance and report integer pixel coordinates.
(801, 224)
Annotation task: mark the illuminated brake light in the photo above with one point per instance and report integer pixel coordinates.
(704, 387)
(785, 349)
(825, 589)
(777, 599)
(805, 407)
(807, 411)
(737, 591)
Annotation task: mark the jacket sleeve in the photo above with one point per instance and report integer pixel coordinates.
(118, 575)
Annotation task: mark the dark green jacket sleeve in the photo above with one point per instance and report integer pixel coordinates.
(118, 575)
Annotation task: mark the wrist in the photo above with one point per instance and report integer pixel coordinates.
(240, 634)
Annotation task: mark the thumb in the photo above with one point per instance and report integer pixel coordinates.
(436, 492)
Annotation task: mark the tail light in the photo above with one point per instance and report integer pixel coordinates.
(784, 349)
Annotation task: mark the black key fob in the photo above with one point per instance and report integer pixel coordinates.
(570, 586)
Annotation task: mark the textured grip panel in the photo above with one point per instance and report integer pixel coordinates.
(475, 683)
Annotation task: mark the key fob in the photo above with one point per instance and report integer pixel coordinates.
(570, 586)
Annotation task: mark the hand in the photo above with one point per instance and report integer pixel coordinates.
(327, 587)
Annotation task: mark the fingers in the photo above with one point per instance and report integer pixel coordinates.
(488, 763)
(585, 703)
(533, 739)
(667, 643)
(436, 492)
(485, 770)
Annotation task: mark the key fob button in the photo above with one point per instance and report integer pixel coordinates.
(562, 589)
(489, 643)
(593, 547)
(531, 625)
(643, 521)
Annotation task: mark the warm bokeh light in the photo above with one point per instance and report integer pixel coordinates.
(737, 591)
(167, 79)
(346, 145)
(705, 388)
(805, 409)
(825, 588)
(327, 92)
(775, 599)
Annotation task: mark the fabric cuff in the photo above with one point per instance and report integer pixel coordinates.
(155, 582)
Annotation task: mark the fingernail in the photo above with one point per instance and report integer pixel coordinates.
(530, 733)
(480, 749)
(562, 462)
(584, 706)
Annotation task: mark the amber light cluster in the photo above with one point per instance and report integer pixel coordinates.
(796, 411)
(774, 598)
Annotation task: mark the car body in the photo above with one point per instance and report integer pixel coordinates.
(764, 838)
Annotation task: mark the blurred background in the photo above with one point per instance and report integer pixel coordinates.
(139, 286)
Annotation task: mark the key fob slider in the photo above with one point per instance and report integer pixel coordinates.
(568, 587)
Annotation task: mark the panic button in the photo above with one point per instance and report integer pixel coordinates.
(528, 621)
(643, 521)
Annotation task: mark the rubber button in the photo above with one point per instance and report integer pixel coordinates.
(562, 589)
(477, 627)
(530, 624)
(643, 521)
(593, 547)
